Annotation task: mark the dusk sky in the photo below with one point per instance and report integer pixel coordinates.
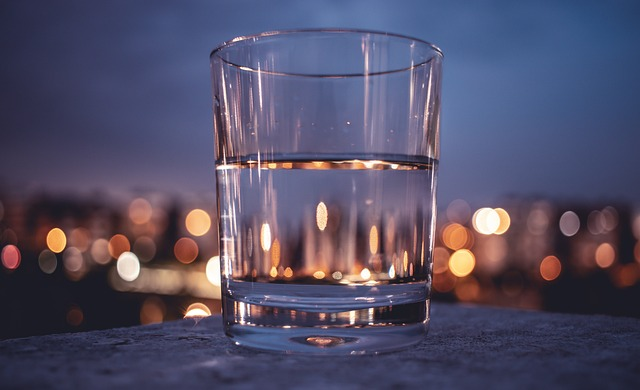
(539, 97)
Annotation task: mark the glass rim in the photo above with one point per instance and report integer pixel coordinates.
(243, 38)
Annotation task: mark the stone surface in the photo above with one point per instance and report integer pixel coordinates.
(467, 347)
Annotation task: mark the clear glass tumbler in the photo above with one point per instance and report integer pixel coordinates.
(326, 147)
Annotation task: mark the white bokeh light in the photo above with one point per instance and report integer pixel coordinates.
(128, 266)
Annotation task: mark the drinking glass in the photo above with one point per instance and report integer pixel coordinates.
(326, 148)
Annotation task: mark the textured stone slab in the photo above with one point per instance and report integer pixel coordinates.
(475, 347)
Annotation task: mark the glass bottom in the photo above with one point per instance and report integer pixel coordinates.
(371, 330)
(329, 341)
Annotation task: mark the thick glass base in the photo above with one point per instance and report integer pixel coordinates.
(329, 341)
(319, 330)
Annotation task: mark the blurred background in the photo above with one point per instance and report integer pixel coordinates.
(107, 192)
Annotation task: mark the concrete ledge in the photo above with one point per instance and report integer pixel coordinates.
(467, 347)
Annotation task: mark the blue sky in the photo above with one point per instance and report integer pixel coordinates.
(539, 98)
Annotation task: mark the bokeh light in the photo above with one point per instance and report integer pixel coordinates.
(140, 211)
(75, 316)
(596, 222)
(373, 240)
(494, 252)
(610, 216)
(185, 250)
(569, 223)
(625, 275)
(538, 221)
(47, 261)
(462, 262)
(322, 216)
(444, 282)
(72, 259)
(56, 240)
(212, 271)
(550, 268)
(197, 310)
(128, 266)
(458, 211)
(100, 251)
(80, 238)
(152, 311)
(198, 222)
(635, 227)
(275, 253)
(486, 221)
(605, 255)
(440, 260)
(145, 248)
(468, 289)
(11, 257)
(365, 274)
(8, 236)
(118, 244)
(265, 237)
(456, 236)
(319, 275)
(505, 221)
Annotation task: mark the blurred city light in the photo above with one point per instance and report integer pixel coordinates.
(462, 262)
(153, 311)
(486, 220)
(197, 310)
(198, 222)
(80, 238)
(505, 221)
(550, 268)
(72, 260)
(145, 248)
(533, 256)
(56, 240)
(458, 211)
(569, 223)
(47, 261)
(185, 250)
(605, 255)
(322, 216)
(11, 257)
(373, 240)
(75, 316)
(140, 211)
(265, 237)
(128, 266)
(213, 271)
(118, 244)
(100, 251)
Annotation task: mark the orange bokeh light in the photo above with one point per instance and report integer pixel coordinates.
(152, 311)
(197, 310)
(456, 236)
(118, 244)
(56, 240)
(198, 222)
(185, 250)
(550, 268)
(605, 255)
(462, 262)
